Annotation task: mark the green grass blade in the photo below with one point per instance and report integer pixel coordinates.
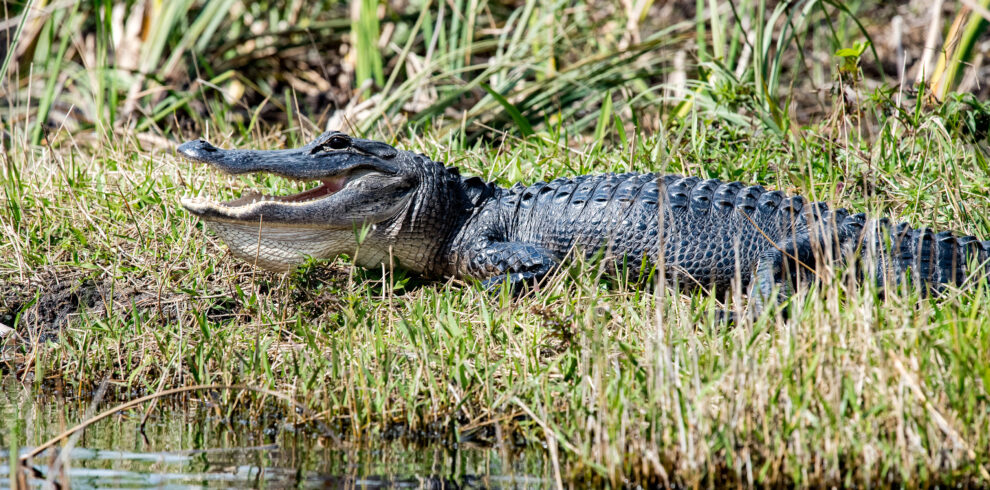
(604, 117)
(365, 30)
(522, 124)
(54, 68)
(12, 42)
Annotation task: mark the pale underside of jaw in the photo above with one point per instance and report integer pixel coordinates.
(278, 248)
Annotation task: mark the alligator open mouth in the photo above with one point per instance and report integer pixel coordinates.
(353, 184)
(354, 187)
(357, 185)
(326, 188)
(252, 205)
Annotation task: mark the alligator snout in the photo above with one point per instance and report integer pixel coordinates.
(197, 149)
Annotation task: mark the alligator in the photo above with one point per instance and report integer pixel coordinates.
(381, 205)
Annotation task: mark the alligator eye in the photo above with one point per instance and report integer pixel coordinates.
(338, 142)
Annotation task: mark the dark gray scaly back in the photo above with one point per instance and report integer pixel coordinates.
(709, 231)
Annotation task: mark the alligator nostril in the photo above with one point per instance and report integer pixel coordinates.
(196, 149)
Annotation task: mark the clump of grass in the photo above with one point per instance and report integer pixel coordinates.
(959, 47)
(621, 383)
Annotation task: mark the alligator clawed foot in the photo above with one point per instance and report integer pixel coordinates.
(727, 318)
(517, 282)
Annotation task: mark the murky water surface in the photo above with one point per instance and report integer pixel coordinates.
(183, 448)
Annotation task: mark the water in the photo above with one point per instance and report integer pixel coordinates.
(183, 448)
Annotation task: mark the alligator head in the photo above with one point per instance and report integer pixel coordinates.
(362, 185)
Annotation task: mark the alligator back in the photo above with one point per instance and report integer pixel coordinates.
(710, 232)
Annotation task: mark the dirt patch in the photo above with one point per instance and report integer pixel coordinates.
(40, 307)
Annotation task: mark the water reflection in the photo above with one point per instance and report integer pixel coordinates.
(183, 448)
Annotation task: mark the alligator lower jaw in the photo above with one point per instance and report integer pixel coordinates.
(276, 248)
(245, 205)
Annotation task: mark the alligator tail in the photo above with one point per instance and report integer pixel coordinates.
(897, 255)
(937, 260)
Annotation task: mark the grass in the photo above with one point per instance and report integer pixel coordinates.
(105, 277)
(627, 383)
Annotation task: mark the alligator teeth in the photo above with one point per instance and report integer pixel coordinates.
(252, 202)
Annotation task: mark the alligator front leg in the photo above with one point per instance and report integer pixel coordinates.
(516, 263)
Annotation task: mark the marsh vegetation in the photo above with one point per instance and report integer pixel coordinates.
(104, 280)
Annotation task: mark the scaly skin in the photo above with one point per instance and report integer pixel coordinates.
(427, 218)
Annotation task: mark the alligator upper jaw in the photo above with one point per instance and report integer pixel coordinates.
(305, 163)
